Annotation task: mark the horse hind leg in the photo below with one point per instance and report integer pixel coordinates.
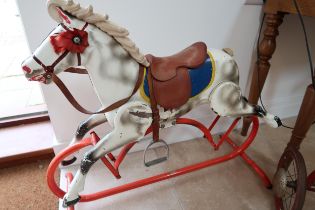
(227, 100)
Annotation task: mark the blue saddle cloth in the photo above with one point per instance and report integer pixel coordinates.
(201, 78)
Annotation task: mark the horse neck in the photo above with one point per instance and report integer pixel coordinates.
(113, 72)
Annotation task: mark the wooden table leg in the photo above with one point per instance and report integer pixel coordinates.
(305, 118)
(266, 49)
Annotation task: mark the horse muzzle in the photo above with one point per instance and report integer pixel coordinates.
(32, 76)
(26, 69)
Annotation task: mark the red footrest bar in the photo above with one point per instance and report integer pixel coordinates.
(237, 151)
(252, 163)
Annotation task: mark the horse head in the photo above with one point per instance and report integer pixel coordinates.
(61, 50)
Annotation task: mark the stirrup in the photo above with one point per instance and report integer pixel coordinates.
(158, 160)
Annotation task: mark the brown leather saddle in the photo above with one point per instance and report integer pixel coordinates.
(170, 76)
(169, 82)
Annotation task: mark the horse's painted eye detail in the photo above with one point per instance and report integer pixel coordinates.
(76, 40)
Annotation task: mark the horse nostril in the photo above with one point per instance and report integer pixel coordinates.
(26, 69)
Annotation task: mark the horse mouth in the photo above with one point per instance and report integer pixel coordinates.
(26, 69)
(38, 78)
(34, 75)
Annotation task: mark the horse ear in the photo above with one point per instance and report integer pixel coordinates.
(57, 13)
(63, 16)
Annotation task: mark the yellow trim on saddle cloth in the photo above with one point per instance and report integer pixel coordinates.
(142, 93)
(147, 99)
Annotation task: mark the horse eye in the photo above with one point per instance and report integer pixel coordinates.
(76, 40)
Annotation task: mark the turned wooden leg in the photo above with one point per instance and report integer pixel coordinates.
(266, 49)
(305, 118)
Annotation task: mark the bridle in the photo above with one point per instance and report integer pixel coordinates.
(50, 74)
(49, 70)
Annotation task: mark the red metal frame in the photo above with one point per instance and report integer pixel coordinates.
(311, 182)
(116, 161)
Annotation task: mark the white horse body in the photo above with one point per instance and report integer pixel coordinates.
(111, 68)
(113, 72)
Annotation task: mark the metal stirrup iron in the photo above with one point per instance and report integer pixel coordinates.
(149, 163)
(155, 126)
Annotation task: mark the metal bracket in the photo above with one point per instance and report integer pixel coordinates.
(149, 163)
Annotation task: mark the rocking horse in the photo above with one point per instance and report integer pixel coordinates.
(157, 90)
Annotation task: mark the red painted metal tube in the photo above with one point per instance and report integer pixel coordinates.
(123, 154)
(112, 168)
(111, 157)
(198, 125)
(311, 182)
(252, 164)
(69, 178)
(115, 172)
(227, 133)
(136, 184)
(168, 175)
(214, 123)
(94, 138)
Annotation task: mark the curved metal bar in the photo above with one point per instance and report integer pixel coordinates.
(252, 164)
(136, 184)
(200, 126)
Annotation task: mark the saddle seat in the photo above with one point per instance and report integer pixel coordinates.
(170, 76)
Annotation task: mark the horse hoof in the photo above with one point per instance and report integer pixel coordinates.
(278, 120)
(67, 203)
(68, 162)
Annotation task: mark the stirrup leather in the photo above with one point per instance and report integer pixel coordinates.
(149, 163)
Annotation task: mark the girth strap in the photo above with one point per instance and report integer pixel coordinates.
(155, 110)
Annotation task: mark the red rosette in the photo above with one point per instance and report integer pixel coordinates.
(65, 41)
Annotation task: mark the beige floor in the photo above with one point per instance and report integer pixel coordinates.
(231, 185)
(24, 188)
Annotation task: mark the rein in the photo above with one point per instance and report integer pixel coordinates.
(50, 74)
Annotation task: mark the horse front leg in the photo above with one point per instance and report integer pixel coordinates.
(84, 127)
(129, 126)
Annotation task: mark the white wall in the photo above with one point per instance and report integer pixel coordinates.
(163, 27)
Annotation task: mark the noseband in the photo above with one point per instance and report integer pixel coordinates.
(50, 74)
(49, 70)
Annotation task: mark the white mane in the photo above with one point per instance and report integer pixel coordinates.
(120, 34)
